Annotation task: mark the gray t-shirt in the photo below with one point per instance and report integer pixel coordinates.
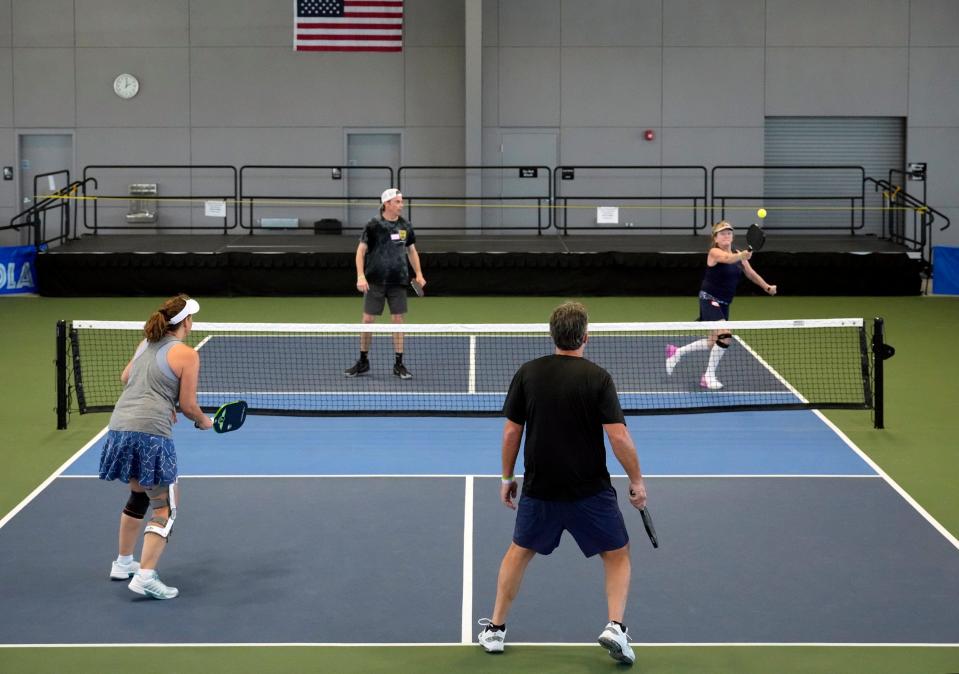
(151, 393)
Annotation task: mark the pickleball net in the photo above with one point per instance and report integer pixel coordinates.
(466, 369)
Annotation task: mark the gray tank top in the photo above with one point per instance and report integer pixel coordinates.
(151, 393)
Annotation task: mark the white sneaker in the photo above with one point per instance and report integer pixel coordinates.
(616, 641)
(710, 383)
(123, 571)
(152, 587)
(492, 641)
(672, 358)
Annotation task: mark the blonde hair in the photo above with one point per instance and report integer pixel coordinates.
(158, 324)
(567, 325)
(717, 228)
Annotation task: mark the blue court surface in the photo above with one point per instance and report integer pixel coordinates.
(380, 530)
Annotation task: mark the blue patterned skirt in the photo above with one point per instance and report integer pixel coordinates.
(149, 459)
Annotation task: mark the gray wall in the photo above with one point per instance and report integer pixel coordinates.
(221, 84)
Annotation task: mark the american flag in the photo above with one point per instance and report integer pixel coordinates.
(348, 25)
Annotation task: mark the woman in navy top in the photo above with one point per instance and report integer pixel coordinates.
(724, 268)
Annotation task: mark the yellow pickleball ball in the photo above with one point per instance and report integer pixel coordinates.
(761, 213)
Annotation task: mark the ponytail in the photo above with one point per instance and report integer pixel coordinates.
(158, 325)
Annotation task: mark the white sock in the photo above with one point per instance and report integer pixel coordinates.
(124, 559)
(700, 345)
(715, 356)
(145, 574)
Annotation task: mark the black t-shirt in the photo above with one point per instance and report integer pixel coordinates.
(386, 261)
(563, 402)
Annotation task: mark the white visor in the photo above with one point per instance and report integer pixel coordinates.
(192, 306)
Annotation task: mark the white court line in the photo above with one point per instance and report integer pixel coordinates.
(892, 483)
(872, 464)
(466, 635)
(46, 483)
(674, 644)
(336, 476)
(471, 387)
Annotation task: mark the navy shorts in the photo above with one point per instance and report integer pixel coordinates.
(595, 522)
(378, 295)
(713, 310)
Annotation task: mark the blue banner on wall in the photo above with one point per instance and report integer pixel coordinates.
(18, 269)
(945, 269)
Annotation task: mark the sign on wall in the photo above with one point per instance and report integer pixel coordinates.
(17, 265)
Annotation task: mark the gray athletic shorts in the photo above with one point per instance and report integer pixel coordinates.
(377, 296)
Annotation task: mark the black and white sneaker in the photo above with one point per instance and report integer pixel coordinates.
(492, 641)
(400, 371)
(616, 641)
(361, 367)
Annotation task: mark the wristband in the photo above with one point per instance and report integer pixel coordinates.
(508, 479)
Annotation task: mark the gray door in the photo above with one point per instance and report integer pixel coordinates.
(363, 187)
(526, 149)
(43, 153)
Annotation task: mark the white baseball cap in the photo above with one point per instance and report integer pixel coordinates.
(192, 307)
(390, 194)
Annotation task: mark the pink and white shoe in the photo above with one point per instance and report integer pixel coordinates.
(672, 358)
(710, 383)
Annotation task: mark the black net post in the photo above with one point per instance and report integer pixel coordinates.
(880, 352)
(61, 363)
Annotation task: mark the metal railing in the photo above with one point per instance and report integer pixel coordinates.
(907, 220)
(515, 176)
(252, 197)
(900, 206)
(855, 199)
(564, 174)
(185, 200)
(62, 202)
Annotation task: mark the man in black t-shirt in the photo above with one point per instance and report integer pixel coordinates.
(382, 275)
(565, 403)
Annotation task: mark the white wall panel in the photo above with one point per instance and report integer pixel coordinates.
(132, 23)
(8, 188)
(164, 84)
(833, 82)
(42, 23)
(529, 87)
(434, 92)
(714, 23)
(43, 84)
(611, 23)
(529, 23)
(6, 23)
(611, 86)
(279, 87)
(939, 148)
(6, 87)
(934, 86)
(933, 23)
(712, 86)
(433, 23)
(837, 23)
(241, 23)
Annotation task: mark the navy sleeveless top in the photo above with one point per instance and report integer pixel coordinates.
(722, 280)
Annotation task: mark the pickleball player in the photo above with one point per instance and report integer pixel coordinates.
(725, 266)
(565, 403)
(386, 250)
(139, 447)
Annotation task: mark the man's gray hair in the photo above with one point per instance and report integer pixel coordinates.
(567, 325)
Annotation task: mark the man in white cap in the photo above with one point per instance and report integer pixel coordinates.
(382, 275)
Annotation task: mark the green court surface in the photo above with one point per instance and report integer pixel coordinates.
(917, 450)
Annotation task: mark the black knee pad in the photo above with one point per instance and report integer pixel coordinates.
(137, 505)
(721, 344)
